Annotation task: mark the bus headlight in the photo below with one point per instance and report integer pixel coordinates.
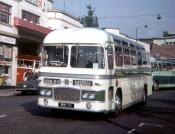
(42, 92)
(45, 92)
(85, 95)
(93, 95)
(48, 93)
(88, 95)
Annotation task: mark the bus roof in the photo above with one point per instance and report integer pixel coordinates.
(88, 36)
(80, 35)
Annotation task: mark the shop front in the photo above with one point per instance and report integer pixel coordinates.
(8, 50)
(29, 44)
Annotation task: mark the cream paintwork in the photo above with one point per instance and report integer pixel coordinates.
(81, 36)
(92, 36)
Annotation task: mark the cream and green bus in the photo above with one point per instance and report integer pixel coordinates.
(163, 72)
(93, 70)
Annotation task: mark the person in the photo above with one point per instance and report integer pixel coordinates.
(2, 73)
(28, 75)
(89, 64)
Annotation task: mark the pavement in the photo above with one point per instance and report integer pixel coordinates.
(8, 92)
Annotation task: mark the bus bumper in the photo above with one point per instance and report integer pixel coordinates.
(87, 106)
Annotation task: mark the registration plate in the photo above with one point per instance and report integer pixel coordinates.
(82, 83)
(68, 105)
(52, 81)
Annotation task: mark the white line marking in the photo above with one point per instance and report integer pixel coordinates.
(2, 116)
(156, 125)
(132, 130)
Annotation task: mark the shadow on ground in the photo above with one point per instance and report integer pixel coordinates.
(33, 108)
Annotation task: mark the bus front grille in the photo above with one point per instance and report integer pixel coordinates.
(67, 94)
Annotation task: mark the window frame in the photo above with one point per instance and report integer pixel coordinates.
(5, 10)
(30, 17)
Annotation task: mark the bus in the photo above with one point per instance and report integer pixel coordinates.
(93, 70)
(27, 69)
(163, 72)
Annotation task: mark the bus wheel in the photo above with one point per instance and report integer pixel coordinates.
(156, 85)
(118, 104)
(144, 97)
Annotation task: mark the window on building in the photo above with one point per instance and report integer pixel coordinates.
(5, 13)
(30, 17)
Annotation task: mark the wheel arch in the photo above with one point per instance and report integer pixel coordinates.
(119, 92)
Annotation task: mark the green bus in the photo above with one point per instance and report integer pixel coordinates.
(163, 72)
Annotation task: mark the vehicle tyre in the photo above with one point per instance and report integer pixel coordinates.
(118, 105)
(144, 97)
(156, 86)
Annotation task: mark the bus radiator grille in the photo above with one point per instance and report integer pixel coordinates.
(67, 94)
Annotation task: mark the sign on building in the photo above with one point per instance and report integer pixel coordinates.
(8, 40)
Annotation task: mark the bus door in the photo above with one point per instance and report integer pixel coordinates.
(110, 73)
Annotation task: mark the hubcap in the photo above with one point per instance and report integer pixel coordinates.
(144, 96)
(117, 102)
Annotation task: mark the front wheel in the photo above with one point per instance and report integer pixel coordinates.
(144, 97)
(156, 85)
(118, 105)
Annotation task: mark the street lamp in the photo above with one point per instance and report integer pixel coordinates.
(138, 29)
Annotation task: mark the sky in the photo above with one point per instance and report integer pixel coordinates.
(127, 15)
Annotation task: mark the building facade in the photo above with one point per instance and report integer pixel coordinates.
(23, 26)
(167, 39)
(58, 19)
(162, 47)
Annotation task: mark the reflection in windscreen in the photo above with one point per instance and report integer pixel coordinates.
(87, 57)
(56, 56)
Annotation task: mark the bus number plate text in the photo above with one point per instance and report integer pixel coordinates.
(82, 83)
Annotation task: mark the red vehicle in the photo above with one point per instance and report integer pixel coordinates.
(26, 72)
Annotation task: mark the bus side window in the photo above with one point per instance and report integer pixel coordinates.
(133, 57)
(144, 58)
(160, 66)
(126, 56)
(154, 66)
(110, 57)
(169, 66)
(139, 58)
(118, 56)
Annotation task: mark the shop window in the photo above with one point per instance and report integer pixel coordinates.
(5, 53)
(30, 17)
(5, 13)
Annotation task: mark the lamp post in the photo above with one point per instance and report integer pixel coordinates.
(138, 29)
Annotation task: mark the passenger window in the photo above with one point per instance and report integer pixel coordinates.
(144, 58)
(139, 58)
(118, 56)
(127, 56)
(110, 57)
